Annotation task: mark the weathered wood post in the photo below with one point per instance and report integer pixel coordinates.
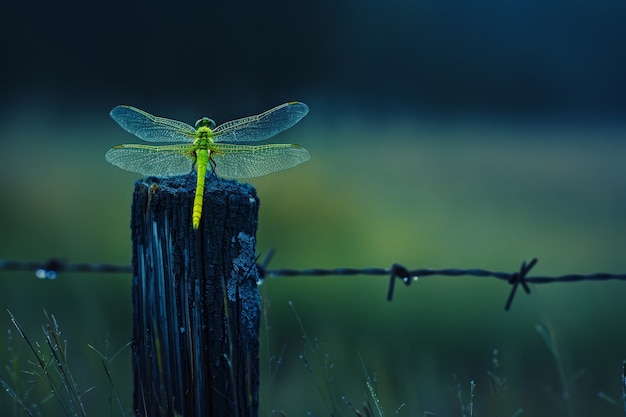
(195, 300)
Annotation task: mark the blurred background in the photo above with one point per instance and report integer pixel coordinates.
(443, 133)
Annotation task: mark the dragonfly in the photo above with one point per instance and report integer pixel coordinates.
(186, 148)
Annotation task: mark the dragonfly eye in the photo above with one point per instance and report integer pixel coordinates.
(205, 122)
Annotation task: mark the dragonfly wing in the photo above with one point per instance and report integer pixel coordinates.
(243, 161)
(262, 126)
(152, 128)
(159, 161)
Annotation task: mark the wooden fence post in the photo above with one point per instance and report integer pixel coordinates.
(195, 300)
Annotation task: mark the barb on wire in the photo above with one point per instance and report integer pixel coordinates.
(51, 268)
(518, 278)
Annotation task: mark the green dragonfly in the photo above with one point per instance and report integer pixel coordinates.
(204, 145)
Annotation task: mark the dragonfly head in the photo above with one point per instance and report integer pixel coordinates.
(205, 122)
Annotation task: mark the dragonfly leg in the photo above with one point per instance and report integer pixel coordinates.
(212, 165)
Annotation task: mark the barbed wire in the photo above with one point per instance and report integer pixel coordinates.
(53, 267)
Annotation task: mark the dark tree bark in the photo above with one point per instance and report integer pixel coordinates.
(195, 300)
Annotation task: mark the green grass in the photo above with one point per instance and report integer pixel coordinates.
(451, 195)
(42, 383)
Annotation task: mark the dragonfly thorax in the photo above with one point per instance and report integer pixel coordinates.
(205, 122)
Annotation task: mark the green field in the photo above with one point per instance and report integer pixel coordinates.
(444, 194)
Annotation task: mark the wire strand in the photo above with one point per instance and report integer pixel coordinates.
(53, 267)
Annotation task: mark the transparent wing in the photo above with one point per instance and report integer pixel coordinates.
(243, 161)
(262, 126)
(159, 161)
(152, 128)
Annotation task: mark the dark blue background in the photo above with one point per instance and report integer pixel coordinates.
(530, 56)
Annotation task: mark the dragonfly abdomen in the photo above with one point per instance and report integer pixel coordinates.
(202, 160)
